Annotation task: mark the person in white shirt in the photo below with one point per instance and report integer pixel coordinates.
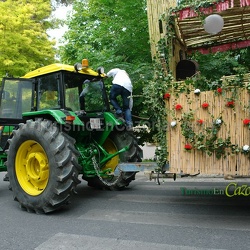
(122, 86)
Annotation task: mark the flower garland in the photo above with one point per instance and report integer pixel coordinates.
(230, 104)
(200, 121)
(219, 90)
(208, 141)
(178, 107)
(205, 105)
(166, 96)
(188, 147)
(246, 123)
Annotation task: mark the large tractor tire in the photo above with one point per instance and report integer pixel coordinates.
(42, 166)
(116, 141)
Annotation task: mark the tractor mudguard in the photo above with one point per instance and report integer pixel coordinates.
(60, 116)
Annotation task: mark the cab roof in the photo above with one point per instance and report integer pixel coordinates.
(58, 67)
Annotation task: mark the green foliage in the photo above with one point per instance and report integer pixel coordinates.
(211, 67)
(104, 31)
(24, 42)
(157, 112)
(243, 56)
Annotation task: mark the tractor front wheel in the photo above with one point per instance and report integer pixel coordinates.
(42, 166)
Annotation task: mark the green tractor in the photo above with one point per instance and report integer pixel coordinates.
(56, 124)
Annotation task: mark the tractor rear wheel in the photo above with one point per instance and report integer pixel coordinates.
(116, 141)
(42, 166)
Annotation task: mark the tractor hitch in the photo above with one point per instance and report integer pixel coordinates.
(137, 167)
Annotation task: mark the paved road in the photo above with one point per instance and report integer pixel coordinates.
(145, 216)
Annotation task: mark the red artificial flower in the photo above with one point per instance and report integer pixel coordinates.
(188, 146)
(166, 96)
(200, 121)
(178, 107)
(230, 104)
(205, 105)
(246, 121)
(219, 90)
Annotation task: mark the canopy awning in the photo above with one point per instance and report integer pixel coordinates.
(235, 33)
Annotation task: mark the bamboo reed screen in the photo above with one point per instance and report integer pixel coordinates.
(194, 161)
(155, 10)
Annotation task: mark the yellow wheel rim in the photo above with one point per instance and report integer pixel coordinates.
(32, 167)
(110, 147)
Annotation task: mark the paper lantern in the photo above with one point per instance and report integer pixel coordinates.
(213, 24)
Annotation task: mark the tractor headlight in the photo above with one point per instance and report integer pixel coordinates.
(78, 66)
(100, 70)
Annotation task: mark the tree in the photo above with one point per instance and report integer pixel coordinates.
(105, 27)
(24, 42)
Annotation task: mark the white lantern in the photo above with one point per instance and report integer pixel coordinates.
(197, 91)
(173, 123)
(218, 121)
(246, 148)
(213, 24)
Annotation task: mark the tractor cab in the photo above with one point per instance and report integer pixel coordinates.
(56, 86)
(60, 86)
